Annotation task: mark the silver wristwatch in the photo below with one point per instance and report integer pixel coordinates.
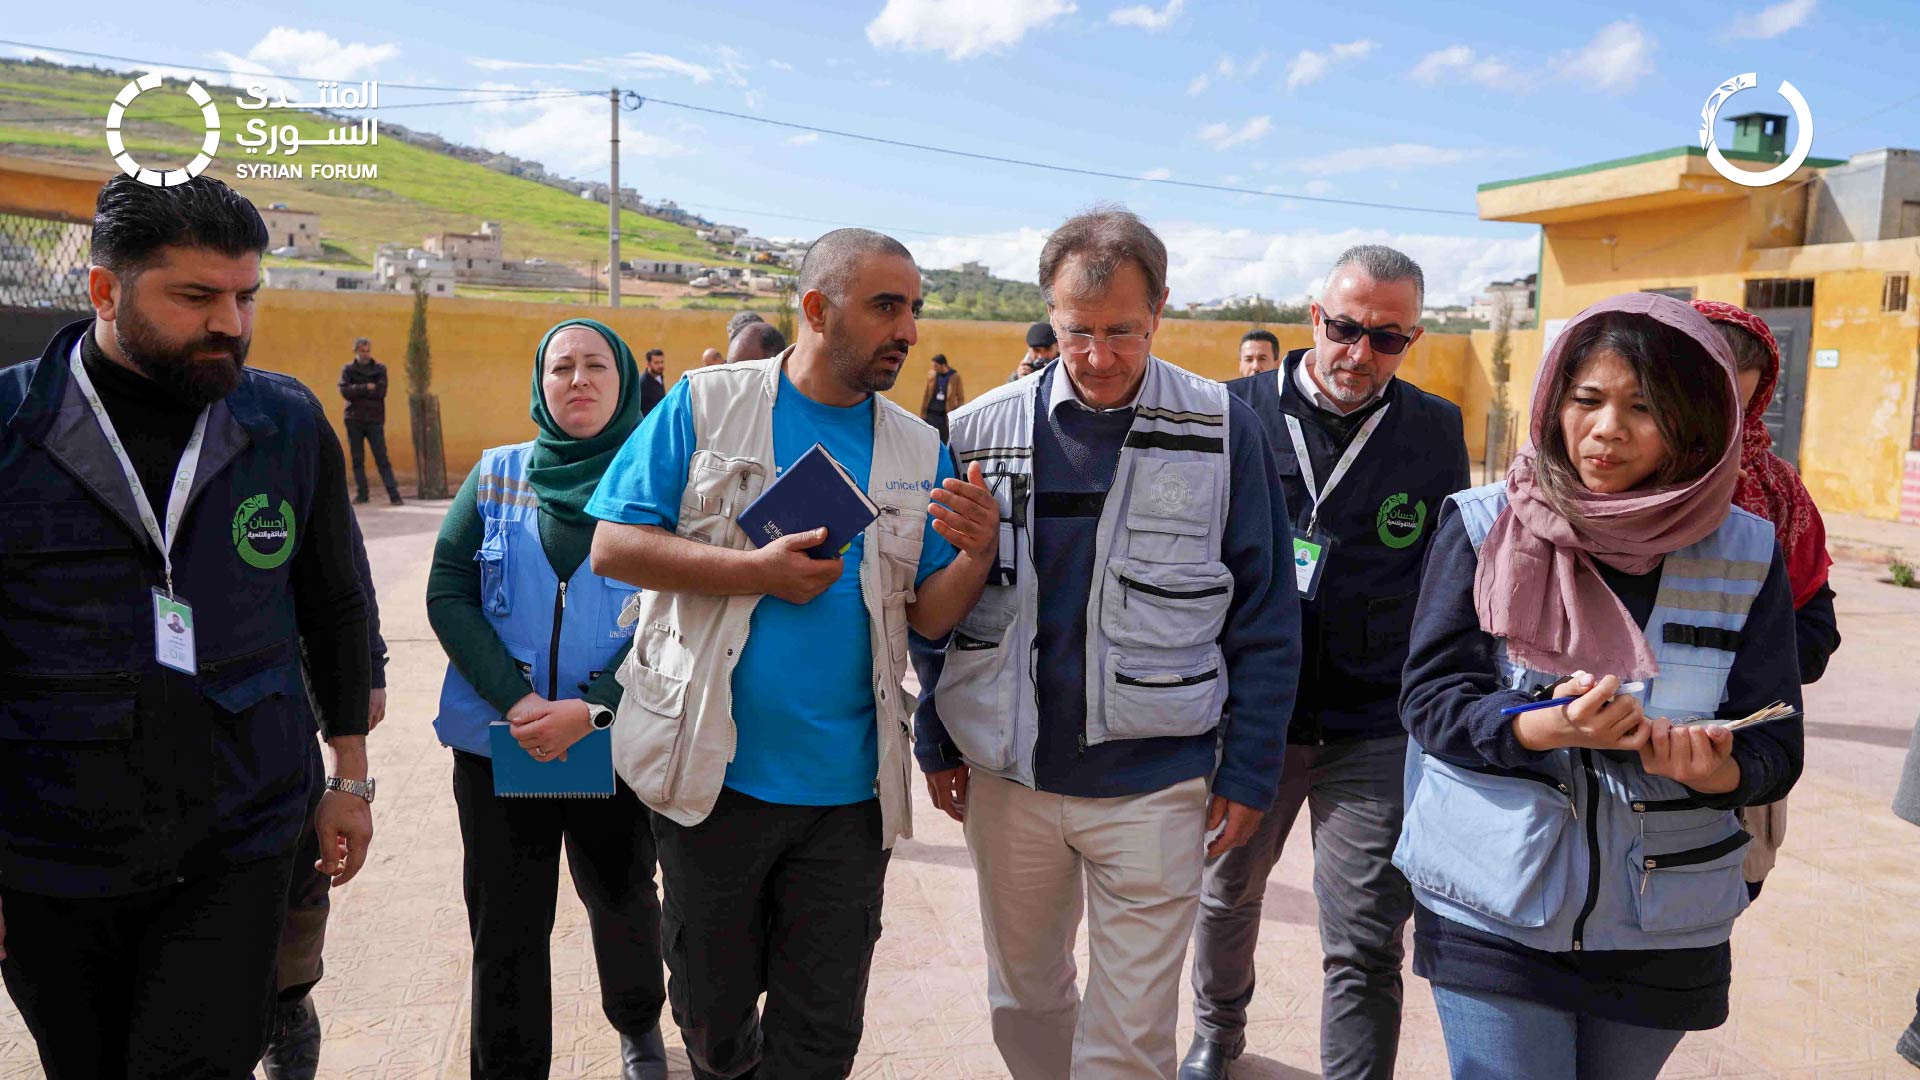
(601, 716)
(362, 788)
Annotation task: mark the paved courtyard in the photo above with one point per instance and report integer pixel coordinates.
(1825, 968)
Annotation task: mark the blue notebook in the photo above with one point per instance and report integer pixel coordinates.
(586, 774)
(813, 492)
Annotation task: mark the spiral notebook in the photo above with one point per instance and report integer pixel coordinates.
(586, 774)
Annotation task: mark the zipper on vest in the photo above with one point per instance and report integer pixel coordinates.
(1593, 850)
(1573, 804)
(1127, 585)
(553, 650)
(1691, 857)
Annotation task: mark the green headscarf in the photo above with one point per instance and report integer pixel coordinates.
(565, 470)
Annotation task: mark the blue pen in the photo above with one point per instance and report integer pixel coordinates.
(1625, 688)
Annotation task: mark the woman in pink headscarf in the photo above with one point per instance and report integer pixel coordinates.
(1577, 866)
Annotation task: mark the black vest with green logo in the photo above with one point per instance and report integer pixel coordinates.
(1381, 517)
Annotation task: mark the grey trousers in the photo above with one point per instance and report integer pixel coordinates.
(1355, 795)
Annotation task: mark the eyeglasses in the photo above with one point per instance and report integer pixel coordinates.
(1385, 342)
(1124, 346)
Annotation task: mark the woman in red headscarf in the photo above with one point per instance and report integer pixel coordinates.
(1770, 487)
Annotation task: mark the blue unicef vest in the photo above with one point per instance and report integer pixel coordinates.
(561, 644)
(1585, 850)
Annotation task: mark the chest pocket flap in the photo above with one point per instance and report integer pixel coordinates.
(1170, 511)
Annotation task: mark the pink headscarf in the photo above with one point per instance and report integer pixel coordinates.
(1537, 585)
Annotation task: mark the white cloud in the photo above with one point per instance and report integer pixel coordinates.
(1308, 67)
(1459, 63)
(1224, 136)
(805, 139)
(1617, 57)
(1146, 17)
(633, 65)
(1399, 156)
(1228, 69)
(779, 65)
(1161, 173)
(1772, 21)
(311, 54)
(961, 28)
(1207, 262)
(569, 136)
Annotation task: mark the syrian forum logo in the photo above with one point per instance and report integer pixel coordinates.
(162, 177)
(1802, 146)
(259, 136)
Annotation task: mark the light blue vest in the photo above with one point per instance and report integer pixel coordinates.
(1585, 850)
(563, 636)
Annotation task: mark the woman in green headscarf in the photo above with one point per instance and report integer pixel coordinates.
(533, 638)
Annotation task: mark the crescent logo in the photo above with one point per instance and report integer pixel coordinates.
(1802, 146)
(167, 177)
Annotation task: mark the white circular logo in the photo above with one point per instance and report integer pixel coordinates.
(1802, 146)
(1169, 493)
(162, 177)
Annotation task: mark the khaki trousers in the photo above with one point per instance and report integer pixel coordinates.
(1142, 858)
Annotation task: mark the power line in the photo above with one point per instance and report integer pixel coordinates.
(1068, 169)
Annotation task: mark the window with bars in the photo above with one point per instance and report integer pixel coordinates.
(1893, 293)
(1779, 293)
(1678, 292)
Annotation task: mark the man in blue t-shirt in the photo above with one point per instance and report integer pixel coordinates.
(777, 888)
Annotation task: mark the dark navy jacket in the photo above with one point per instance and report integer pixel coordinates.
(119, 775)
(1381, 517)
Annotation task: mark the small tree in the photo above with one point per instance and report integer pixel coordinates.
(1499, 419)
(423, 408)
(789, 294)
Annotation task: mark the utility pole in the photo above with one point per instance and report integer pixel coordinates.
(613, 206)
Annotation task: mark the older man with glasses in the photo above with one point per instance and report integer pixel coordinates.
(1365, 460)
(1073, 727)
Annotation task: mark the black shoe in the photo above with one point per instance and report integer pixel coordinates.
(396, 500)
(293, 1049)
(644, 1058)
(1909, 1045)
(361, 498)
(1206, 1060)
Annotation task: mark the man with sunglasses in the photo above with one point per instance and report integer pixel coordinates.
(1364, 460)
(1073, 722)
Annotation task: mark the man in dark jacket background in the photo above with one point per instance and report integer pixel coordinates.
(177, 526)
(363, 382)
(1365, 460)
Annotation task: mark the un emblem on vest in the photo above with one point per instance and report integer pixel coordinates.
(1169, 494)
(263, 539)
(1399, 524)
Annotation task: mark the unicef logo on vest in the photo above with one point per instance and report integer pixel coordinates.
(1802, 145)
(909, 485)
(117, 146)
(263, 540)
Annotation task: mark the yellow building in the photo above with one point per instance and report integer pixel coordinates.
(1827, 256)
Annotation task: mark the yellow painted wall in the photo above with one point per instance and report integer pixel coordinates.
(36, 189)
(1859, 416)
(483, 357)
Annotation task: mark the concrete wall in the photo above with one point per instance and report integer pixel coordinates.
(483, 357)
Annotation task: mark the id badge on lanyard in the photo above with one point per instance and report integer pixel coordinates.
(1311, 546)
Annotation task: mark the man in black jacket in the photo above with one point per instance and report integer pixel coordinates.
(1365, 460)
(363, 382)
(176, 527)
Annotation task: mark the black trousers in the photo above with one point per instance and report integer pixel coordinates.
(374, 435)
(172, 983)
(512, 882)
(783, 900)
(938, 418)
(303, 936)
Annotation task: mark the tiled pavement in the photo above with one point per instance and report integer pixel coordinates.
(1826, 965)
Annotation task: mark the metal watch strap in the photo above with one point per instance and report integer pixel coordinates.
(363, 788)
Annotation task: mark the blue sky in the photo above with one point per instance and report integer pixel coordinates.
(1393, 102)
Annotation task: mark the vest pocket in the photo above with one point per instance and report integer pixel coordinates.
(1148, 697)
(66, 751)
(974, 699)
(650, 730)
(1681, 884)
(1170, 511)
(1684, 690)
(1488, 842)
(495, 596)
(1164, 607)
(718, 489)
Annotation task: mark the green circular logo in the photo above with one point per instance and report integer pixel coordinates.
(264, 540)
(1399, 524)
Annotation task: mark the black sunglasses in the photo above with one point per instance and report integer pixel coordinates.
(1385, 342)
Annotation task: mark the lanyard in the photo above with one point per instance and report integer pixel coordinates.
(1314, 491)
(182, 481)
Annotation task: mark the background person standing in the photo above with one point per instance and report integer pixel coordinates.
(363, 382)
(653, 381)
(944, 394)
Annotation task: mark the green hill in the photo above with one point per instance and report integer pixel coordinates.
(58, 112)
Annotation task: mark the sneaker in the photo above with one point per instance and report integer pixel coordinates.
(396, 500)
(361, 498)
(293, 1048)
(1909, 1045)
